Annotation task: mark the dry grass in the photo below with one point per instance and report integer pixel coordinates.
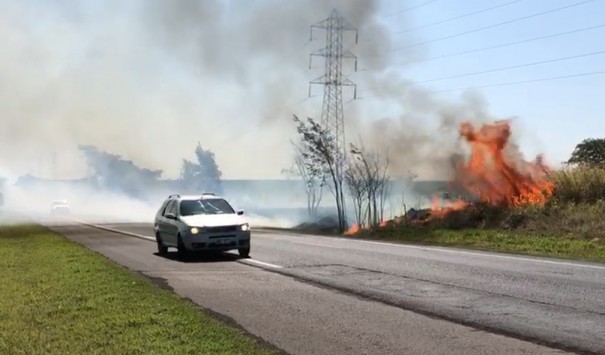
(571, 224)
(579, 185)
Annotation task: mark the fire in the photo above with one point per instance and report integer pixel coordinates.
(493, 175)
(439, 211)
(353, 230)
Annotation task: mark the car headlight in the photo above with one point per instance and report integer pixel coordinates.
(194, 230)
(245, 227)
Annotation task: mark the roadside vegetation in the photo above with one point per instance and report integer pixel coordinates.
(548, 213)
(60, 298)
(571, 224)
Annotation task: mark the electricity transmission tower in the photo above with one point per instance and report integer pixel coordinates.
(332, 116)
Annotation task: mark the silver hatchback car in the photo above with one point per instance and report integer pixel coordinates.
(200, 223)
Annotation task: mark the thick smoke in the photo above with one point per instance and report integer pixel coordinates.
(131, 77)
(148, 79)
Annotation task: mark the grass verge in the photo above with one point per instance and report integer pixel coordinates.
(58, 297)
(517, 242)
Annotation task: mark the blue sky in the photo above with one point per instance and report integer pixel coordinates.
(554, 115)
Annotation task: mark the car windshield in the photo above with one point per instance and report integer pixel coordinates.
(205, 206)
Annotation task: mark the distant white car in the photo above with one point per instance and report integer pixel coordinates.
(60, 207)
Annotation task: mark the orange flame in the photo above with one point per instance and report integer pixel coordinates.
(492, 173)
(493, 176)
(353, 230)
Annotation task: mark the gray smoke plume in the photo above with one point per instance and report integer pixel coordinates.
(147, 79)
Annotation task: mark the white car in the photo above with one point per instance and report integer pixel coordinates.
(201, 223)
(60, 207)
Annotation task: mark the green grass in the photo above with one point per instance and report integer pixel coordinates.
(57, 297)
(568, 247)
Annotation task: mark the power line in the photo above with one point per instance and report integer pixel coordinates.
(495, 25)
(513, 67)
(524, 81)
(457, 17)
(410, 8)
(508, 44)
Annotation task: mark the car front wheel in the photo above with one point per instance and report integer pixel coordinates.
(244, 252)
(181, 249)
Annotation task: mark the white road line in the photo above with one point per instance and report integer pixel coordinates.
(452, 251)
(258, 262)
(509, 257)
(151, 239)
(140, 236)
(316, 244)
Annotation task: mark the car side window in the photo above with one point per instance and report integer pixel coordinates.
(172, 208)
(162, 208)
(168, 207)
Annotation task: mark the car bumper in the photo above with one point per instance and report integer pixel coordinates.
(229, 241)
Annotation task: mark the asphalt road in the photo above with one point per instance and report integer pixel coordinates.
(335, 295)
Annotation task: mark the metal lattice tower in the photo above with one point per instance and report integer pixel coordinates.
(332, 116)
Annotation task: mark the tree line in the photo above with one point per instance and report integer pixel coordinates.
(114, 173)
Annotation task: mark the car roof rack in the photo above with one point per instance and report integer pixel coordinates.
(175, 195)
(208, 194)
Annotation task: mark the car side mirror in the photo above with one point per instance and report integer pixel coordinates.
(240, 212)
(170, 216)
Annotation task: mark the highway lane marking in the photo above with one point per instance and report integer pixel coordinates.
(151, 239)
(299, 242)
(316, 244)
(253, 261)
(140, 236)
(509, 257)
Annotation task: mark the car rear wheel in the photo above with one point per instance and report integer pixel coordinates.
(244, 252)
(162, 249)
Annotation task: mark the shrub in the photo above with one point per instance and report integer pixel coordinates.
(582, 184)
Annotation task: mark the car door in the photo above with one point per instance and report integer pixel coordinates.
(164, 223)
(171, 228)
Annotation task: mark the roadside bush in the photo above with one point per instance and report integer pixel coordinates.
(582, 220)
(576, 220)
(582, 184)
(476, 215)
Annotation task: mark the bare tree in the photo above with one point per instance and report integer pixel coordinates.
(373, 170)
(354, 179)
(312, 177)
(319, 149)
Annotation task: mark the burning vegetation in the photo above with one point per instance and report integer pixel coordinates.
(493, 174)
